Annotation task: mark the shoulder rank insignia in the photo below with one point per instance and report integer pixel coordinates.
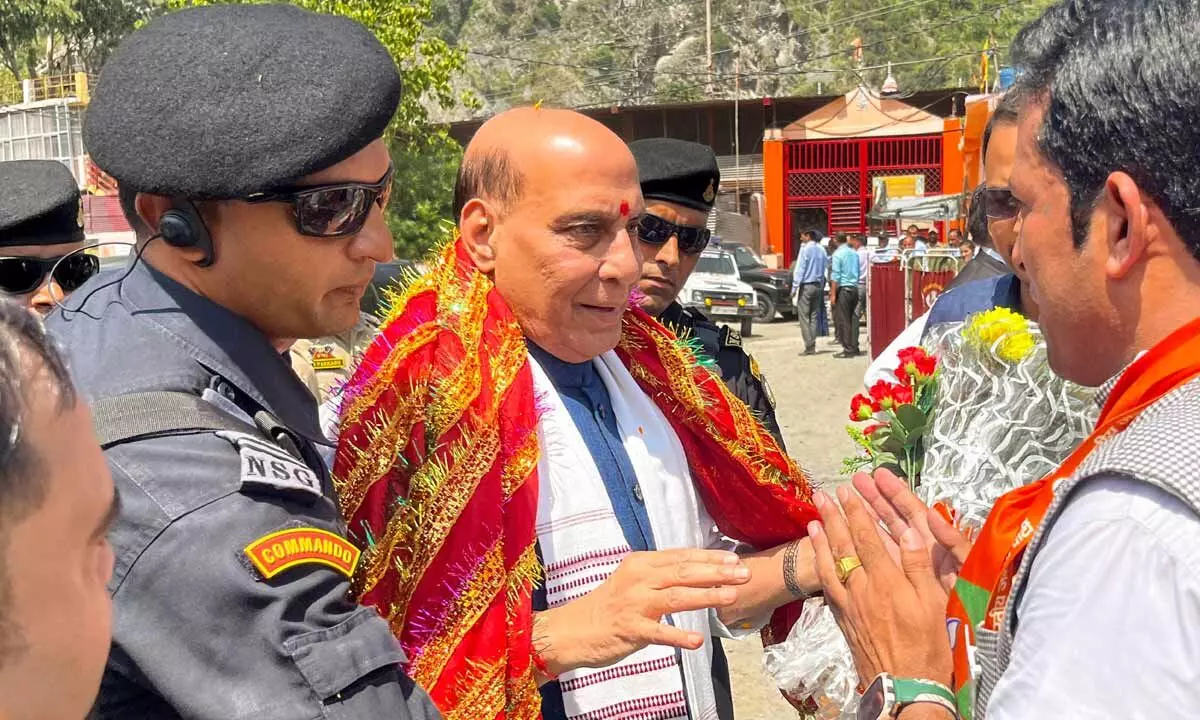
(754, 369)
(269, 466)
(730, 337)
(276, 552)
(710, 192)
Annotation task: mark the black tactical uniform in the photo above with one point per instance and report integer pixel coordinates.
(231, 590)
(739, 369)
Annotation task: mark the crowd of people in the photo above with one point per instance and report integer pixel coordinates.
(545, 488)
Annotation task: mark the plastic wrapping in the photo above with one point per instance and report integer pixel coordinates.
(1003, 419)
(814, 662)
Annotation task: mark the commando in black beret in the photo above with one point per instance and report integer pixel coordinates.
(677, 171)
(39, 204)
(222, 101)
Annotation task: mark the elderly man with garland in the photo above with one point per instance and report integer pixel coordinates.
(679, 182)
(1078, 596)
(541, 475)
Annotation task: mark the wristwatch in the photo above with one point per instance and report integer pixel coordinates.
(888, 695)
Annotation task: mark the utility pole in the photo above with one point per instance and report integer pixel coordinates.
(708, 88)
(737, 131)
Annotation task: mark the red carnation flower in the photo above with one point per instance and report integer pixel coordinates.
(862, 408)
(902, 394)
(870, 430)
(884, 394)
(915, 365)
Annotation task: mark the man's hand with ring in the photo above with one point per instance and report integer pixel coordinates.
(624, 614)
(893, 615)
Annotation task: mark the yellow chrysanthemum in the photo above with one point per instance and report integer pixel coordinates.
(1002, 329)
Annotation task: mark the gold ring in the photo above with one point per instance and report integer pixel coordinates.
(845, 566)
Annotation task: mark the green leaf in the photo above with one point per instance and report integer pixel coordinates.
(892, 442)
(911, 418)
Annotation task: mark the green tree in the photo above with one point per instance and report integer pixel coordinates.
(424, 156)
(22, 23)
(423, 201)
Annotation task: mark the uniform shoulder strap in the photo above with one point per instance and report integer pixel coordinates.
(122, 418)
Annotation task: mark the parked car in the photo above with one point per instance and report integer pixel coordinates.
(374, 300)
(772, 287)
(716, 289)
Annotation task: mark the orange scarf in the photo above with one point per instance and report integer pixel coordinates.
(981, 592)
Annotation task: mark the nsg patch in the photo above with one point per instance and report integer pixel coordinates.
(269, 466)
(276, 552)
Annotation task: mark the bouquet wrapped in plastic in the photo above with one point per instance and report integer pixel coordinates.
(1003, 418)
(997, 418)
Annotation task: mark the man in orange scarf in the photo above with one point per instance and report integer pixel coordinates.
(1079, 596)
(518, 418)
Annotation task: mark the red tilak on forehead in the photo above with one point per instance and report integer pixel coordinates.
(624, 208)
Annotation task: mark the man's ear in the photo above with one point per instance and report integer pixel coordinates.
(477, 228)
(1126, 224)
(150, 209)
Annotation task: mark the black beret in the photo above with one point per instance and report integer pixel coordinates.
(677, 171)
(39, 204)
(222, 101)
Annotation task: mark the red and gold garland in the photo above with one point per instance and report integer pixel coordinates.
(437, 475)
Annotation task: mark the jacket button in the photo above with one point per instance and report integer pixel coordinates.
(637, 494)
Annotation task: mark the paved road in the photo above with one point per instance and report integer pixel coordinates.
(813, 398)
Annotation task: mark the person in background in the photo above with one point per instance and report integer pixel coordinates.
(988, 265)
(886, 252)
(843, 295)
(954, 238)
(935, 238)
(859, 243)
(679, 182)
(979, 286)
(968, 250)
(57, 503)
(41, 234)
(325, 364)
(808, 288)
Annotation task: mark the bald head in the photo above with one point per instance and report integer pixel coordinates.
(549, 203)
(495, 162)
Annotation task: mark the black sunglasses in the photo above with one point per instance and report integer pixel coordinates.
(656, 231)
(23, 275)
(1000, 204)
(330, 211)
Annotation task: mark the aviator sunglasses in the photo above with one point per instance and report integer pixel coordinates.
(656, 231)
(1000, 204)
(23, 275)
(330, 211)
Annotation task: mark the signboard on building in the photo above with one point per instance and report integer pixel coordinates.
(898, 186)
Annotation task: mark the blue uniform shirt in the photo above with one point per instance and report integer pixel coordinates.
(810, 264)
(198, 630)
(845, 266)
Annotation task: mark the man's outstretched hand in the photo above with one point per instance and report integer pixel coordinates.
(624, 614)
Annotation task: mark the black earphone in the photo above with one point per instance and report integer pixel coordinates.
(182, 227)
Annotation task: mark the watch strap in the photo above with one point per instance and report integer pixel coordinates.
(919, 690)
